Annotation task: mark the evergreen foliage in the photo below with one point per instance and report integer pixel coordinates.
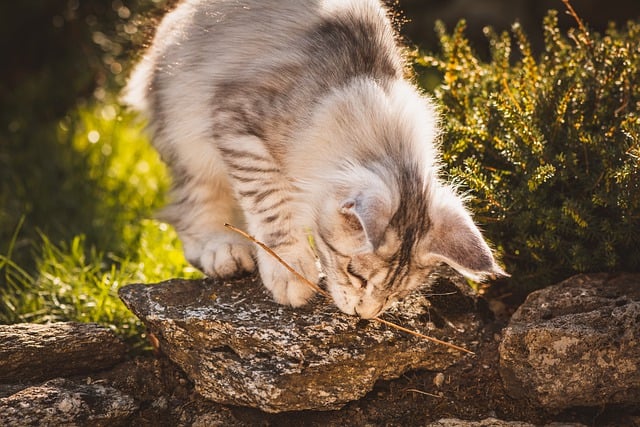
(548, 146)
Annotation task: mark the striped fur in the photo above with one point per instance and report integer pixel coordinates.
(292, 117)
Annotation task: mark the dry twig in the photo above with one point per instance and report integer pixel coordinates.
(581, 25)
(415, 390)
(280, 260)
(426, 337)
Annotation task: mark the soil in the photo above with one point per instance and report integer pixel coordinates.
(470, 390)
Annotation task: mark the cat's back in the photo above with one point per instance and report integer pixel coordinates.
(263, 22)
(258, 64)
(236, 27)
(204, 41)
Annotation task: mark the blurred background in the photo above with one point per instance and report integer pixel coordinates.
(79, 182)
(501, 14)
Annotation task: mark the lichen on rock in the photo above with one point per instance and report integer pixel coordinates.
(241, 348)
(576, 343)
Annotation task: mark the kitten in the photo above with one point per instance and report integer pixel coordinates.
(292, 118)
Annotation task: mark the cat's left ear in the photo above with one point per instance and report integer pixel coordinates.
(366, 217)
(454, 239)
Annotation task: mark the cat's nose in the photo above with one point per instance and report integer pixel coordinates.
(368, 312)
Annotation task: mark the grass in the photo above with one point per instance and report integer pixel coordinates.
(85, 226)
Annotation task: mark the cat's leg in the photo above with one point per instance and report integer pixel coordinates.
(200, 208)
(293, 247)
(266, 196)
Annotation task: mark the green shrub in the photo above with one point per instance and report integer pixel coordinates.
(548, 146)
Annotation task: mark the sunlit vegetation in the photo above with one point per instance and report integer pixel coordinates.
(548, 145)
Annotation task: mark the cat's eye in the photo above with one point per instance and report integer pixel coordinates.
(363, 282)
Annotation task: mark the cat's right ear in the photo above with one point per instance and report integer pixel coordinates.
(366, 217)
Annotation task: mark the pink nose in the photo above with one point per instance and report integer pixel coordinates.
(368, 312)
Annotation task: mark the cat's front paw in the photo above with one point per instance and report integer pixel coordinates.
(285, 287)
(222, 256)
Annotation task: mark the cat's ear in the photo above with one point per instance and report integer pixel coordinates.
(455, 239)
(366, 217)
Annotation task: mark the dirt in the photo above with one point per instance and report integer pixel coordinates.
(470, 390)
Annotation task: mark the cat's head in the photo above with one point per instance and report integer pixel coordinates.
(378, 241)
(382, 218)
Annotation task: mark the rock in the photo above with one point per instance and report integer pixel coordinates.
(164, 395)
(30, 352)
(487, 422)
(576, 344)
(64, 402)
(493, 422)
(241, 348)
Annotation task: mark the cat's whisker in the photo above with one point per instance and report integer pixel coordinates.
(326, 294)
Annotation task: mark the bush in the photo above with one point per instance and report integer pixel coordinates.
(548, 147)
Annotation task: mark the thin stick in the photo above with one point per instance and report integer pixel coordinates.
(575, 16)
(280, 260)
(426, 337)
(415, 390)
(326, 294)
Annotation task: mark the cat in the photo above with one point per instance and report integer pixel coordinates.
(294, 119)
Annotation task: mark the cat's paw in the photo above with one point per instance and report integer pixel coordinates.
(285, 287)
(222, 256)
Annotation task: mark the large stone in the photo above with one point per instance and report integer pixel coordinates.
(576, 344)
(493, 422)
(487, 422)
(65, 402)
(241, 348)
(30, 352)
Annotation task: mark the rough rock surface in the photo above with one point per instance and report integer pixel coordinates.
(471, 390)
(493, 422)
(487, 422)
(576, 344)
(65, 402)
(241, 348)
(30, 352)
